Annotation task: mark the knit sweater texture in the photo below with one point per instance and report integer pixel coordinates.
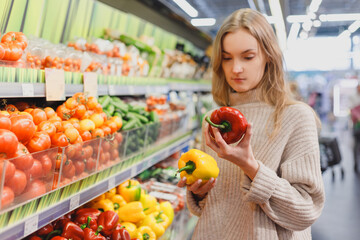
(287, 194)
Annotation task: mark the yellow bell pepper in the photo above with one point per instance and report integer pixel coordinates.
(103, 205)
(168, 210)
(196, 164)
(149, 203)
(118, 201)
(131, 212)
(158, 222)
(132, 229)
(145, 233)
(130, 190)
(101, 197)
(110, 193)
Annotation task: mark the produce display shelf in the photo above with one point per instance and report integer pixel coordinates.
(192, 87)
(38, 220)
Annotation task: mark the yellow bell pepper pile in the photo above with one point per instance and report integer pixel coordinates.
(140, 213)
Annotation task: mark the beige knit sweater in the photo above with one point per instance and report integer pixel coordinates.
(287, 194)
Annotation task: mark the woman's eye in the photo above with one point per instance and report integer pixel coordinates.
(249, 58)
(226, 58)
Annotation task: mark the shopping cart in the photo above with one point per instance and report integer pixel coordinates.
(330, 155)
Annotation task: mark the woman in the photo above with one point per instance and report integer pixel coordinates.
(270, 184)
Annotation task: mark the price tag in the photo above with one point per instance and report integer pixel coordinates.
(31, 225)
(111, 183)
(27, 90)
(90, 84)
(74, 202)
(133, 171)
(111, 89)
(55, 84)
(131, 90)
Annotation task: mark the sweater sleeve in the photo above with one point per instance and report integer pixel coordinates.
(293, 197)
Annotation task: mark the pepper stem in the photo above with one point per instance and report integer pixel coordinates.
(189, 167)
(221, 126)
(100, 227)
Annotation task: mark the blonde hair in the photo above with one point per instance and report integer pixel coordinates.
(272, 87)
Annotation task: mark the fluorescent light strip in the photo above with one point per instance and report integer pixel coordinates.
(339, 17)
(314, 5)
(297, 18)
(294, 31)
(354, 26)
(184, 5)
(199, 22)
(275, 9)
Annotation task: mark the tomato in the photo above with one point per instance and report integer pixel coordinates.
(118, 121)
(97, 119)
(80, 97)
(23, 128)
(90, 164)
(72, 134)
(114, 153)
(40, 142)
(87, 125)
(91, 103)
(106, 129)
(38, 115)
(59, 140)
(63, 112)
(86, 135)
(119, 137)
(36, 171)
(97, 133)
(15, 37)
(55, 181)
(55, 118)
(18, 182)
(23, 159)
(73, 150)
(34, 189)
(5, 113)
(71, 103)
(112, 125)
(79, 167)
(76, 125)
(80, 111)
(24, 114)
(48, 127)
(2, 51)
(13, 52)
(105, 145)
(8, 143)
(46, 164)
(11, 108)
(10, 170)
(22, 105)
(7, 197)
(49, 112)
(68, 169)
(57, 124)
(98, 108)
(88, 151)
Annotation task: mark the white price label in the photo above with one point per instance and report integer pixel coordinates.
(55, 84)
(111, 89)
(31, 225)
(74, 202)
(133, 171)
(111, 183)
(90, 84)
(28, 90)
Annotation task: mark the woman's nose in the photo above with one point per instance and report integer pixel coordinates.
(237, 67)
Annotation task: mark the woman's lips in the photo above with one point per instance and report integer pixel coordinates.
(238, 79)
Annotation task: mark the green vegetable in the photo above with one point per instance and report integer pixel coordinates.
(130, 124)
(138, 116)
(110, 108)
(106, 101)
(154, 117)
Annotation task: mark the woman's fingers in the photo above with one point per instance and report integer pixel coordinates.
(208, 140)
(218, 138)
(199, 188)
(246, 140)
(182, 182)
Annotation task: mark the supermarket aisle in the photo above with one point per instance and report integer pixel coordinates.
(341, 215)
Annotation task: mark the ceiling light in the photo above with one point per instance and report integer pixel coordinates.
(304, 35)
(354, 26)
(307, 25)
(275, 9)
(294, 31)
(339, 17)
(198, 22)
(314, 5)
(344, 34)
(311, 15)
(316, 23)
(184, 5)
(297, 18)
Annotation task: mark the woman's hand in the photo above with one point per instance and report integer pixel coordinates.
(241, 154)
(197, 188)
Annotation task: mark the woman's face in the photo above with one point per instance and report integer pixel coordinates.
(242, 60)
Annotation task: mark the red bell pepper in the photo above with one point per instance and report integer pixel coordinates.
(35, 238)
(59, 238)
(72, 231)
(89, 234)
(83, 215)
(231, 123)
(108, 220)
(61, 222)
(120, 233)
(87, 212)
(45, 230)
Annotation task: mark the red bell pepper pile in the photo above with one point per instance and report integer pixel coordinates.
(84, 224)
(231, 123)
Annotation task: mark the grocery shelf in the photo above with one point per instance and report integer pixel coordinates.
(38, 220)
(19, 90)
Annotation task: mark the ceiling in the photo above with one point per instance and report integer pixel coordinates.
(219, 9)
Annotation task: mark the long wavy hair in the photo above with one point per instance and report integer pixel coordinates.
(272, 88)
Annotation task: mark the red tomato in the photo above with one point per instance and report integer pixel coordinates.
(15, 37)
(97, 133)
(23, 128)
(106, 129)
(49, 112)
(112, 125)
(79, 167)
(57, 124)
(13, 52)
(5, 122)
(71, 103)
(38, 115)
(114, 153)
(22, 105)
(47, 127)
(90, 164)
(40, 142)
(8, 143)
(2, 50)
(88, 152)
(68, 169)
(34, 189)
(7, 197)
(23, 159)
(86, 136)
(18, 182)
(59, 140)
(10, 169)
(46, 164)
(105, 145)
(119, 137)
(36, 171)
(63, 112)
